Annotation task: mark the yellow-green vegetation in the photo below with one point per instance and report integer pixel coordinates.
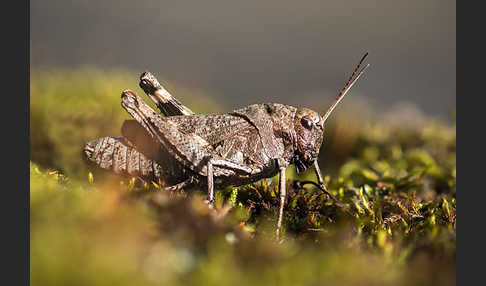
(397, 183)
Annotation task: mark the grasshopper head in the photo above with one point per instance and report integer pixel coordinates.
(309, 129)
(309, 125)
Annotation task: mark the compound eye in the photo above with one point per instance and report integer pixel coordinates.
(307, 122)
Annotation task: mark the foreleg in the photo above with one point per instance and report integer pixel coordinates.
(317, 170)
(320, 185)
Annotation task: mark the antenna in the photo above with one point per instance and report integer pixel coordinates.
(347, 86)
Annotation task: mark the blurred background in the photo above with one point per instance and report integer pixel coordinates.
(389, 150)
(217, 55)
(243, 52)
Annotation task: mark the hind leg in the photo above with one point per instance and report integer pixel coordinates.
(189, 149)
(165, 102)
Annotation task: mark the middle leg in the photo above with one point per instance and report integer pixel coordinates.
(283, 194)
(210, 176)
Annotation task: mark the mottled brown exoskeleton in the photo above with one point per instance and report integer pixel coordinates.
(179, 148)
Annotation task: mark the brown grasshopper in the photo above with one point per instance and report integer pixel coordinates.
(179, 148)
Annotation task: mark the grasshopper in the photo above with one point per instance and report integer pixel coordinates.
(178, 148)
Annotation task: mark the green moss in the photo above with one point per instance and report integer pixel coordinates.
(398, 225)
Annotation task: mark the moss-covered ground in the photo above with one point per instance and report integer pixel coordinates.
(394, 175)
